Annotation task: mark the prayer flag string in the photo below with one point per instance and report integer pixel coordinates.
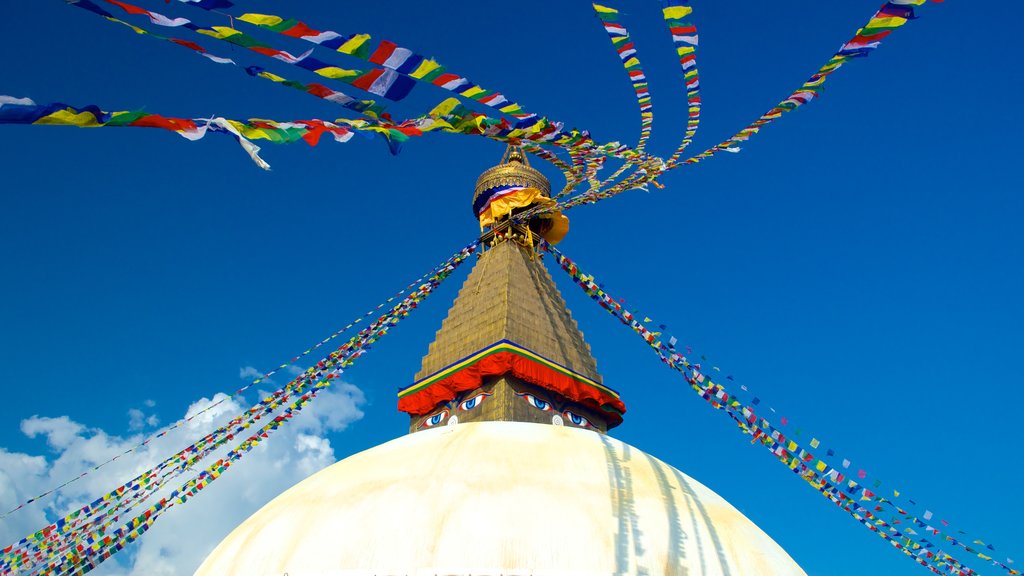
(25, 111)
(399, 68)
(571, 177)
(403, 61)
(73, 545)
(888, 18)
(368, 107)
(379, 81)
(827, 479)
(386, 54)
(684, 38)
(626, 51)
(254, 382)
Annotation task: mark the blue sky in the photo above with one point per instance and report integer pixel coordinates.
(857, 265)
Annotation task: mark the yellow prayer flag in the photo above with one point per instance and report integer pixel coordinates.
(249, 132)
(425, 67)
(821, 466)
(631, 62)
(223, 32)
(814, 442)
(812, 83)
(676, 12)
(337, 73)
(886, 22)
(261, 19)
(445, 107)
(68, 118)
(271, 76)
(604, 9)
(354, 43)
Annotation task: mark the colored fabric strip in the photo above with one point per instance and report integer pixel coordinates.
(254, 382)
(378, 81)
(309, 131)
(587, 156)
(537, 130)
(626, 50)
(58, 549)
(404, 61)
(571, 176)
(862, 503)
(505, 357)
(388, 55)
(499, 203)
(684, 37)
(503, 200)
(368, 107)
(889, 17)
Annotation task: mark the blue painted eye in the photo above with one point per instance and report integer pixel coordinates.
(474, 401)
(577, 420)
(536, 402)
(434, 420)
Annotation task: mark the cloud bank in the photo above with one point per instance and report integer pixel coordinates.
(180, 540)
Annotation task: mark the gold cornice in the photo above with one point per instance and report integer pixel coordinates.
(514, 169)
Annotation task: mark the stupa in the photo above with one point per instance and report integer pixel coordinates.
(507, 468)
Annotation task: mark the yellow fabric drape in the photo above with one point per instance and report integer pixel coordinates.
(502, 207)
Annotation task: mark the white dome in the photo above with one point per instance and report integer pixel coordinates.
(490, 498)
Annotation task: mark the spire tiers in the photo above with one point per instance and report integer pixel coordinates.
(510, 295)
(509, 349)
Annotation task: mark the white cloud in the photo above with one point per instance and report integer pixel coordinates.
(184, 535)
(248, 373)
(136, 419)
(59, 432)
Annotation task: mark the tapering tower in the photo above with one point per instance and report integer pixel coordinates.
(509, 470)
(509, 349)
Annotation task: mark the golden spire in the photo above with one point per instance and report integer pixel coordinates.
(509, 336)
(514, 170)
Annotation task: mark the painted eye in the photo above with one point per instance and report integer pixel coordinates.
(577, 420)
(536, 402)
(434, 420)
(474, 401)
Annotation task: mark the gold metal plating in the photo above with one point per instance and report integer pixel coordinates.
(514, 170)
